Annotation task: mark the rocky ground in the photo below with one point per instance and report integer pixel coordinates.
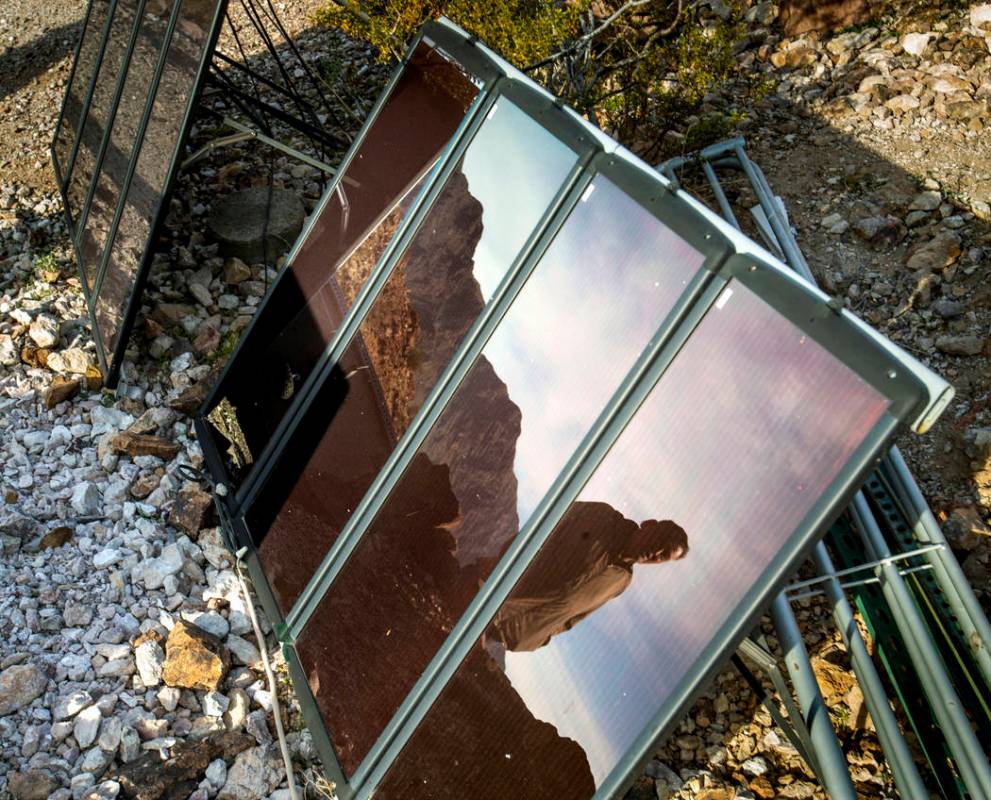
(124, 638)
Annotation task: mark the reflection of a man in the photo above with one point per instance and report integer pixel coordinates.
(587, 562)
(481, 737)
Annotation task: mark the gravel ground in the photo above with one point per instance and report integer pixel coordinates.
(117, 598)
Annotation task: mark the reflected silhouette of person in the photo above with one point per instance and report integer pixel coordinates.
(587, 562)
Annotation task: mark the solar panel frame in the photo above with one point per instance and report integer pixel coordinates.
(911, 389)
(110, 362)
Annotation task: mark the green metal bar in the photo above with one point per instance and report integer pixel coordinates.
(111, 117)
(833, 770)
(974, 768)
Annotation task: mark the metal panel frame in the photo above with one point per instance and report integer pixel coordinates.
(141, 276)
(110, 364)
(907, 385)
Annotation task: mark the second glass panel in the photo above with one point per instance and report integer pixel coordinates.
(596, 298)
(462, 250)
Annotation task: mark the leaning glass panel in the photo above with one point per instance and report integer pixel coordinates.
(744, 433)
(345, 241)
(488, 207)
(75, 95)
(151, 172)
(597, 296)
(113, 169)
(100, 114)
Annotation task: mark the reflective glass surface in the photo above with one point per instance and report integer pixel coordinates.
(113, 169)
(342, 246)
(731, 450)
(463, 248)
(162, 137)
(596, 297)
(99, 114)
(89, 52)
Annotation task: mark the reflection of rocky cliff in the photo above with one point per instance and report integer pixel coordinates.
(480, 741)
(428, 303)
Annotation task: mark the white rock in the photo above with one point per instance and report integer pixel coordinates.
(110, 734)
(216, 773)
(168, 696)
(117, 668)
(209, 621)
(215, 704)
(8, 350)
(106, 557)
(72, 360)
(86, 499)
(244, 652)
(754, 766)
(253, 776)
(86, 726)
(980, 17)
(916, 43)
(149, 658)
(130, 745)
(154, 571)
(44, 330)
(70, 705)
(19, 685)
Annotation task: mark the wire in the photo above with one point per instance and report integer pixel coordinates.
(272, 687)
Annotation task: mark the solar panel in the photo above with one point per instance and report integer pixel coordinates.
(548, 456)
(127, 110)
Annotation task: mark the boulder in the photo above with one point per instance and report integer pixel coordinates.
(238, 220)
(191, 510)
(136, 444)
(801, 16)
(19, 685)
(148, 777)
(194, 659)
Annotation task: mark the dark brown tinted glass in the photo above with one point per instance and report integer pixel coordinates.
(665, 544)
(463, 248)
(99, 114)
(75, 96)
(144, 194)
(596, 297)
(123, 135)
(343, 244)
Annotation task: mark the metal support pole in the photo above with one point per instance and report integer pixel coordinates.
(971, 760)
(835, 772)
(954, 583)
(895, 748)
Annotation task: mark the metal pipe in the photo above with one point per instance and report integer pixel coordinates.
(946, 706)
(895, 748)
(954, 583)
(835, 772)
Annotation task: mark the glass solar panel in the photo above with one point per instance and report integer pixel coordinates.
(595, 299)
(124, 118)
(73, 107)
(343, 243)
(99, 114)
(745, 431)
(110, 179)
(450, 270)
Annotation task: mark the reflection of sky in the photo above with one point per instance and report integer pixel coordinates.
(743, 434)
(514, 168)
(597, 296)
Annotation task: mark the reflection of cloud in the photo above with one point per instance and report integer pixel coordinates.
(514, 167)
(740, 438)
(597, 296)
